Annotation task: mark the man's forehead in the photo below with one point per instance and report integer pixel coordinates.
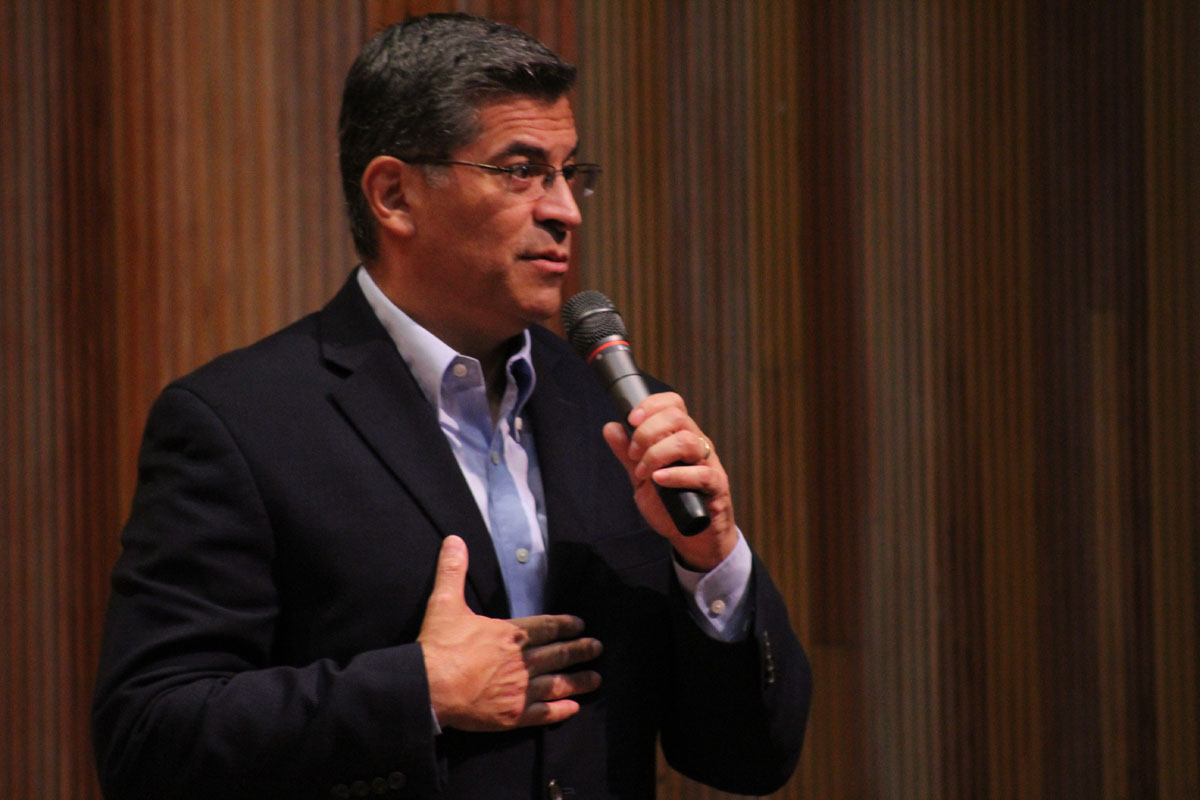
(525, 126)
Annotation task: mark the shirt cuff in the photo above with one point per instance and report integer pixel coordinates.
(718, 597)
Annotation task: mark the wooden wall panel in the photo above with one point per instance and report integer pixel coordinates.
(927, 271)
(962, 341)
(901, 630)
(228, 207)
(57, 509)
(1167, 713)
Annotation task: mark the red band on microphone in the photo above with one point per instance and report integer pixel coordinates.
(591, 356)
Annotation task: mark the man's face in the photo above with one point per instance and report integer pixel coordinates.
(496, 260)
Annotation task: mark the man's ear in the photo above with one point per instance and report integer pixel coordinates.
(383, 184)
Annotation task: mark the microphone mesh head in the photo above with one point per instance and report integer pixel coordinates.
(590, 318)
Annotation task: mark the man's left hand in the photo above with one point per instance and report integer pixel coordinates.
(664, 434)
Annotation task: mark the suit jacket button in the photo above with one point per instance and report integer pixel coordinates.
(396, 781)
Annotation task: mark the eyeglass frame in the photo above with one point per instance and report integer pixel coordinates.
(583, 168)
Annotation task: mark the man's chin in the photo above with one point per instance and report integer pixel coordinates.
(546, 310)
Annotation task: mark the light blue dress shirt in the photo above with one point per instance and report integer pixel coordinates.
(499, 462)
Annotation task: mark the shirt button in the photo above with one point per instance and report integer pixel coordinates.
(495, 456)
(522, 554)
(460, 370)
(717, 607)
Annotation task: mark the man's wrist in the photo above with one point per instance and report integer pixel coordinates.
(717, 598)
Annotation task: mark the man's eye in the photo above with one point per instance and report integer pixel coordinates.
(522, 171)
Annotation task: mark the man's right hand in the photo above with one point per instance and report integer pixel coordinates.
(491, 674)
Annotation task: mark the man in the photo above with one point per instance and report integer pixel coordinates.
(385, 550)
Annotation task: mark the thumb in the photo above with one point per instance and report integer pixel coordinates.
(450, 580)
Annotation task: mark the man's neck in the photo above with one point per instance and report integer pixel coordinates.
(492, 355)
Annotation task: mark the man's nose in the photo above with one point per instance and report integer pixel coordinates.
(558, 203)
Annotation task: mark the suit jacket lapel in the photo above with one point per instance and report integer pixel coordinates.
(382, 400)
(567, 456)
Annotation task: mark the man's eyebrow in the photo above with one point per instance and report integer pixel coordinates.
(531, 151)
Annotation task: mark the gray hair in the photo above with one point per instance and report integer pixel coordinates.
(415, 89)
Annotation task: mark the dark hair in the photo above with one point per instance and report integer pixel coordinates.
(414, 90)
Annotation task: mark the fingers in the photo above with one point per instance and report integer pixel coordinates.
(550, 686)
(663, 419)
(668, 449)
(666, 436)
(560, 655)
(547, 713)
(554, 643)
(549, 696)
(545, 628)
(558, 687)
(549, 689)
(654, 404)
(450, 579)
(676, 449)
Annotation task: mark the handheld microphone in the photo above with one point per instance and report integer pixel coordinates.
(597, 332)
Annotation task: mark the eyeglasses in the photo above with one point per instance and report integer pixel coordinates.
(522, 178)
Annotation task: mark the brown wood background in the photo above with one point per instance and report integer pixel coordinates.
(929, 272)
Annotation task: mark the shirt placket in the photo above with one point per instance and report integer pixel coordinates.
(520, 562)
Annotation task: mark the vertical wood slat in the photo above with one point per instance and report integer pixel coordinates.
(825, 390)
(56, 374)
(899, 668)
(1172, 112)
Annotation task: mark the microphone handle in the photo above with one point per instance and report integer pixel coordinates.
(627, 388)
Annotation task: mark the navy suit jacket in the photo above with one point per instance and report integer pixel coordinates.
(292, 498)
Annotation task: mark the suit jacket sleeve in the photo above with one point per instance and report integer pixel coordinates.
(737, 711)
(191, 701)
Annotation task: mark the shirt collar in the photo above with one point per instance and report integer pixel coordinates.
(431, 360)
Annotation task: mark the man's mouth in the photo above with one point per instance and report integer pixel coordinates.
(552, 260)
